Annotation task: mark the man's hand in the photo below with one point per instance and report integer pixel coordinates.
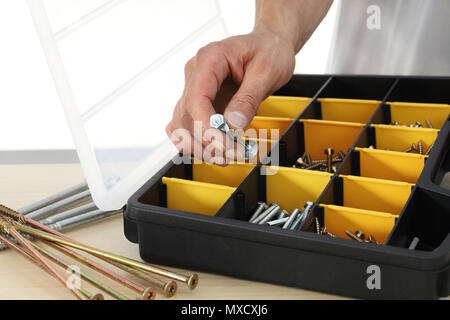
(235, 75)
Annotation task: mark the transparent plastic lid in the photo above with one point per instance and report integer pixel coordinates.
(118, 67)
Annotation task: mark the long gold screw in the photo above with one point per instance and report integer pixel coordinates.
(8, 228)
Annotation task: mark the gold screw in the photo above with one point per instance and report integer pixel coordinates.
(420, 143)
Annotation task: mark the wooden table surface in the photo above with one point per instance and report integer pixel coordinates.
(21, 185)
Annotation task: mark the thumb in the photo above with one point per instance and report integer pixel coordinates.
(244, 104)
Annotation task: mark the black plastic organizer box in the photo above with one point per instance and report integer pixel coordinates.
(196, 216)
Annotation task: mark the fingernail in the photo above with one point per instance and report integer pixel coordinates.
(237, 119)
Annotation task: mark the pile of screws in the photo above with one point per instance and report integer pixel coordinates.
(415, 148)
(273, 215)
(360, 237)
(418, 148)
(417, 124)
(20, 233)
(329, 165)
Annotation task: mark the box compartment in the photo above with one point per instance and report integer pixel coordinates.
(282, 107)
(408, 113)
(196, 197)
(263, 127)
(319, 135)
(337, 219)
(373, 194)
(346, 110)
(401, 138)
(387, 165)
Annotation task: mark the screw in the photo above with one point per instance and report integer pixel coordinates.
(278, 222)
(307, 158)
(428, 123)
(329, 152)
(352, 236)
(314, 166)
(410, 149)
(427, 153)
(418, 124)
(264, 213)
(317, 225)
(283, 214)
(414, 243)
(70, 213)
(420, 143)
(54, 198)
(395, 123)
(270, 215)
(360, 234)
(64, 203)
(218, 121)
(259, 208)
(291, 218)
(371, 147)
(82, 219)
(300, 218)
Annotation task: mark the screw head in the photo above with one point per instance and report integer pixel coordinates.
(217, 121)
(149, 294)
(192, 281)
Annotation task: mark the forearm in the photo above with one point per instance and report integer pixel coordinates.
(293, 20)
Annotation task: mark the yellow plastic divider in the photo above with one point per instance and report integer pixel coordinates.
(231, 175)
(401, 138)
(291, 188)
(376, 194)
(390, 165)
(407, 113)
(196, 197)
(351, 110)
(377, 224)
(322, 134)
(268, 124)
(283, 107)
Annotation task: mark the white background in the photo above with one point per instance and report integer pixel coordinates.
(30, 111)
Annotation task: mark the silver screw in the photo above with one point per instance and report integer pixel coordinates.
(298, 222)
(54, 198)
(70, 213)
(414, 243)
(265, 213)
(260, 207)
(282, 214)
(271, 214)
(218, 121)
(82, 219)
(53, 208)
(291, 218)
(278, 222)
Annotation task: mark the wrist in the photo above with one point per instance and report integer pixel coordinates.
(279, 34)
